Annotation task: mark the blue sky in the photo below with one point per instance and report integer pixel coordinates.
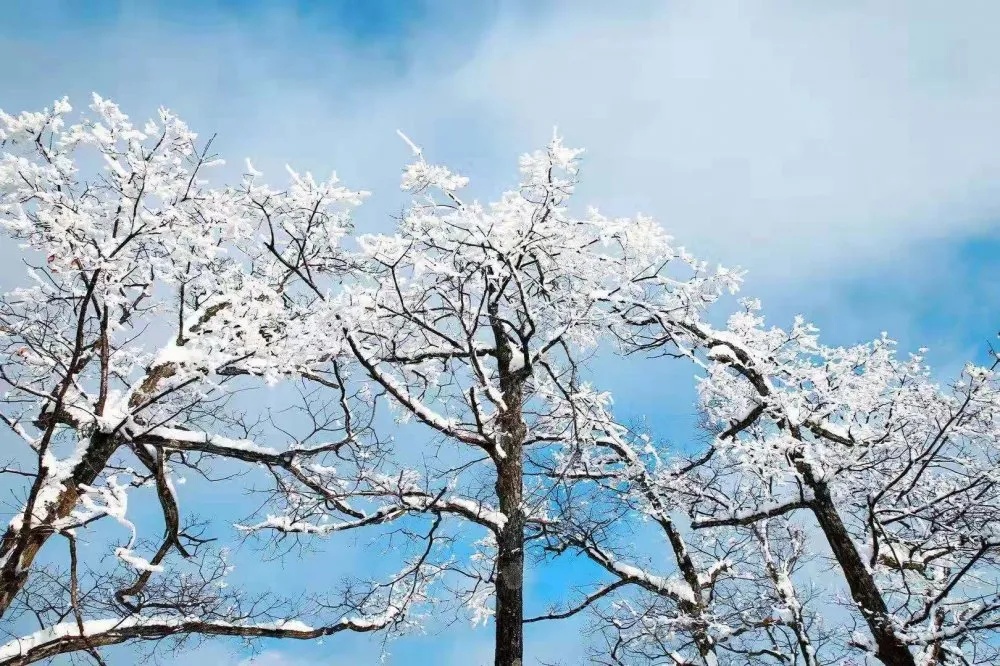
(846, 154)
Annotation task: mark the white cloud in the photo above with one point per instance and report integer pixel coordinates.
(785, 137)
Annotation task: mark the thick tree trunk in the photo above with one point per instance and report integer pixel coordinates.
(510, 564)
(891, 650)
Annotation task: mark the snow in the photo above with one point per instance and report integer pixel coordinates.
(21, 646)
(136, 562)
(671, 587)
(196, 437)
(288, 625)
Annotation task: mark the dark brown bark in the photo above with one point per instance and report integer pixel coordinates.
(510, 564)
(890, 649)
(511, 430)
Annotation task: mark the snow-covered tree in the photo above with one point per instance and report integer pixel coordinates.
(476, 321)
(897, 472)
(150, 297)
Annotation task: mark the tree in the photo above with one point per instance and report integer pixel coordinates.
(152, 298)
(898, 472)
(476, 321)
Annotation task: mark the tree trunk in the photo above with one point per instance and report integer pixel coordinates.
(510, 564)
(891, 650)
(510, 433)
